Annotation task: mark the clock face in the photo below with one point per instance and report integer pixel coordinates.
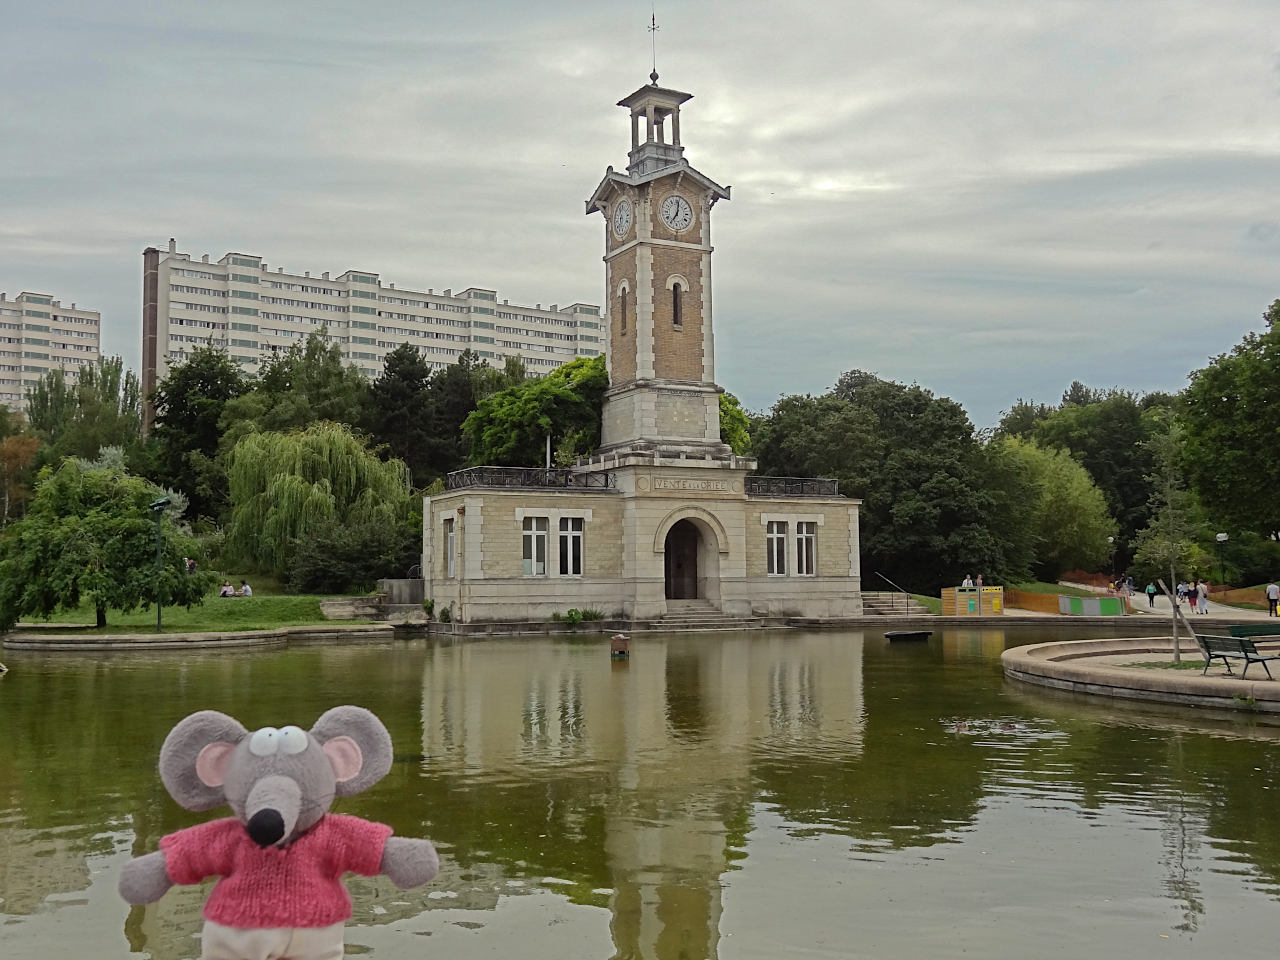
(676, 212)
(621, 218)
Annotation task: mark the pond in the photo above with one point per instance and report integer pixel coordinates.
(757, 795)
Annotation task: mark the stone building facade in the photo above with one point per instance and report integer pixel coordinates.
(664, 516)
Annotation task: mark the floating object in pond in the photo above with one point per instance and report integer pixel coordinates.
(908, 634)
(3, 669)
(620, 646)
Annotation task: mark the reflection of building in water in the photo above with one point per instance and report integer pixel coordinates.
(35, 864)
(673, 734)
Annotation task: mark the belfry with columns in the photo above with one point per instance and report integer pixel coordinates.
(664, 521)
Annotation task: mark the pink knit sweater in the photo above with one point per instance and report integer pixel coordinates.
(298, 885)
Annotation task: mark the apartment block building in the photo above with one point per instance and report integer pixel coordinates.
(240, 303)
(39, 334)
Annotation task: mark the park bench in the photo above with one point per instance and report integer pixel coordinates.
(1227, 649)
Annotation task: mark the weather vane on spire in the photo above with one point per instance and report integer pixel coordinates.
(653, 40)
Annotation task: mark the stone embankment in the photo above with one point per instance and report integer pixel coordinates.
(1123, 668)
(280, 636)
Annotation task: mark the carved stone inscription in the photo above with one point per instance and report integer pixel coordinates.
(710, 486)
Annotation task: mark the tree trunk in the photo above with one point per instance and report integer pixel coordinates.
(1173, 599)
(102, 617)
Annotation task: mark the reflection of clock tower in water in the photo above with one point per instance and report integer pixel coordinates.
(663, 399)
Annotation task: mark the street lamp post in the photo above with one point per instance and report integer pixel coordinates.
(157, 508)
(1222, 572)
(1111, 542)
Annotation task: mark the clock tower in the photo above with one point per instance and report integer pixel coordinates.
(663, 401)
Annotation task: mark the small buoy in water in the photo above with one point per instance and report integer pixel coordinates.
(620, 645)
(3, 669)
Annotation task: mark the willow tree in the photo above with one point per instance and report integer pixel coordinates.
(287, 487)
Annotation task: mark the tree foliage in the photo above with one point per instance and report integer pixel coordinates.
(398, 415)
(1231, 418)
(90, 535)
(913, 460)
(1106, 433)
(735, 430)
(334, 559)
(1068, 514)
(184, 443)
(285, 486)
(101, 408)
(510, 428)
(307, 384)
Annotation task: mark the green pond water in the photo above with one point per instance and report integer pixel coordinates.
(823, 794)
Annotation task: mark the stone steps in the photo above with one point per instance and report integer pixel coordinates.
(883, 603)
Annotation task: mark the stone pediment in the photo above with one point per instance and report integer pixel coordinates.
(614, 181)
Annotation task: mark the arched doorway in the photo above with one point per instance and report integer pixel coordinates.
(681, 561)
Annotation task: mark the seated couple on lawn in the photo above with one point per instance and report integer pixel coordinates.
(227, 590)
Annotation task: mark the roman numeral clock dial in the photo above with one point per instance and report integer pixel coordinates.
(676, 212)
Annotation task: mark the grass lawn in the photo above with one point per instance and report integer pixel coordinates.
(1038, 586)
(217, 613)
(932, 604)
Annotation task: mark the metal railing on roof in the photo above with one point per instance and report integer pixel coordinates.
(792, 487)
(529, 477)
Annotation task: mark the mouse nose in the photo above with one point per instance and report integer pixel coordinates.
(266, 827)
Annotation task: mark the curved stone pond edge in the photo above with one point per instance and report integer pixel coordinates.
(1108, 668)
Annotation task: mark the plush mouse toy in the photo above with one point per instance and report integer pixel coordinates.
(280, 859)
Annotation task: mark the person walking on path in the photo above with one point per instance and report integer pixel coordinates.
(1202, 589)
(1151, 594)
(1190, 591)
(1273, 596)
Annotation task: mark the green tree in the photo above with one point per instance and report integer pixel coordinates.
(1107, 436)
(337, 559)
(90, 535)
(453, 397)
(734, 426)
(307, 384)
(102, 408)
(927, 514)
(398, 415)
(1068, 515)
(285, 486)
(1022, 418)
(1170, 543)
(511, 427)
(184, 442)
(1231, 417)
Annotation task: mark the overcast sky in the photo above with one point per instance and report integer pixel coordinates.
(988, 197)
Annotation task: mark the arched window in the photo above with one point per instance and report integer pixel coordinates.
(677, 307)
(622, 309)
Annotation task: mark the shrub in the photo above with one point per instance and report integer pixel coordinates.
(429, 608)
(340, 559)
(592, 615)
(446, 615)
(573, 617)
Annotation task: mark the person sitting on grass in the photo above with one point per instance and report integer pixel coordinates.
(245, 590)
(227, 590)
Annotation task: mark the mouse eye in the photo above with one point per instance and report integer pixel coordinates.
(292, 740)
(264, 742)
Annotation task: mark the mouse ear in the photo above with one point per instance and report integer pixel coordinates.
(354, 726)
(186, 758)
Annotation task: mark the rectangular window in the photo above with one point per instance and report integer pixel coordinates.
(245, 262)
(245, 311)
(806, 548)
(245, 294)
(42, 314)
(243, 278)
(776, 544)
(33, 299)
(535, 546)
(570, 546)
(450, 550)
